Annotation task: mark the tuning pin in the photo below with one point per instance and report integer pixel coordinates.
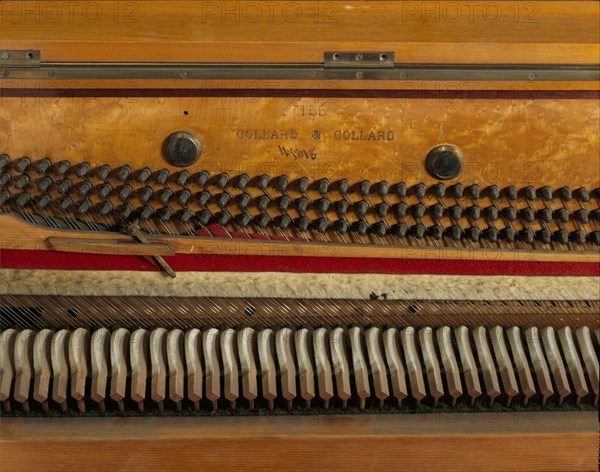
(565, 193)
(455, 232)
(491, 234)
(491, 213)
(166, 214)
(474, 233)
(436, 231)
(184, 196)
(262, 220)
(21, 181)
(474, 212)
(84, 206)
(302, 204)
(146, 213)
(42, 166)
(102, 172)
(182, 177)
(440, 190)
(529, 193)
(241, 181)
(243, 200)
(343, 186)
(458, 190)
(545, 215)
(302, 223)
(284, 202)
(364, 188)
(224, 217)
(361, 207)
(223, 199)
(322, 225)
(342, 226)
(527, 235)
(203, 198)
(383, 188)
(322, 205)
(583, 215)
(400, 209)
(284, 221)
(62, 168)
(578, 236)
(82, 169)
(5, 178)
(125, 211)
(544, 235)
(205, 217)
(244, 219)
(4, 196)
(42, 202)
(105, 208)
(420, 190)
(594, 237)
(323, 186)
(380, 229)
(302, 185)
(64, 185)
(562, 236)
(493, 192)
(66, 203)
(510, 213)
(186, 215)
(418, 210)
(455, 212)
(546, 193)
(436, 211)
(142, 175)
(562, 214)
(23, 199)
(401, 190)
(201, 178)
(262, 181)
(22, 164)
(382, 209)
(475, 191)
(106, 188)
(282, 183)
(123, 173)
(222, 180)
(511, 192)
(83, 188)
(528, 214)
(145, 194)
(362, 227)
(583, 195)
(508, 234)
(419, 231)
(263, 202)
(400, 230)
(4, 160)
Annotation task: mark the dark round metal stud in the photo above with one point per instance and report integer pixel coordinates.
(341, 207)
(455, 232)
(182, 148)
(475, 191)
(400, 229)
(545, 215)
(511, 192)
(401, 189)
(583, 195)
(527, 235)
(343, 186)
(302, 223)
(401, 209)
(362, 227)
(544, 235)
(418, 210)
(382, 209)
(380, 229)
(594, 237)
(302, 184)
(491, 234)
(493, 192)
(546, 193)
(508, 234)
(84, 188)
(436, 231)
(420, 190)
(458, 190)
(284, 221)
(186, 215)
(529, 193)
(341, 226)
(419, 231)
(562, 236)
(578, 236)
(444, 162)
(302, 204)
(455, 212)
(439, 190)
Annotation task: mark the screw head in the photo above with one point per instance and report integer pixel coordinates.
(444, 162)
(182, 148)
(5, 55)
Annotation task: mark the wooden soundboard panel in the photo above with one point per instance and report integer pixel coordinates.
(503, 141)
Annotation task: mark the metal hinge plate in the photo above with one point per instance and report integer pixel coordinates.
(359, 59)
(20, 58)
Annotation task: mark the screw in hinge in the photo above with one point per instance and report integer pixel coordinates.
(5, 55)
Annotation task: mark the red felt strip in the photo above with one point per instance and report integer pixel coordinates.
(20, 259)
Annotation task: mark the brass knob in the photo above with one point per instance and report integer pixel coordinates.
(182, 148)
(444, 162)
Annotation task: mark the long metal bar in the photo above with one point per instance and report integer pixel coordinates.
(400, 72)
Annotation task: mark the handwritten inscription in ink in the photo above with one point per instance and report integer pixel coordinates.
(296, 153)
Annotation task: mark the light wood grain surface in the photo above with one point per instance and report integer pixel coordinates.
(449, 442)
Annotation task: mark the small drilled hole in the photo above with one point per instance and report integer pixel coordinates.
(29, 55)
(186, 113)
(335, 57)
(383, 57)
